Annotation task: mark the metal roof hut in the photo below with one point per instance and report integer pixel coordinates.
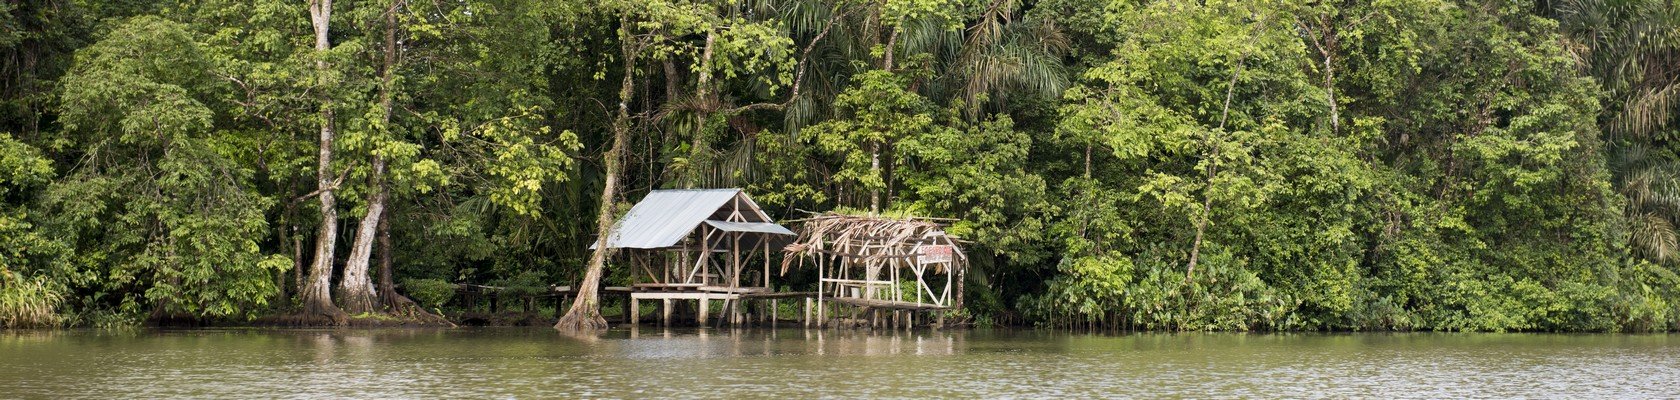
(861, 261)
(697, 244)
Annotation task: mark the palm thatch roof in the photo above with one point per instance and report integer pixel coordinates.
(870, 239)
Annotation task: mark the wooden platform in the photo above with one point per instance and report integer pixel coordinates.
(735, 312)
(778, 295)
(884, 304)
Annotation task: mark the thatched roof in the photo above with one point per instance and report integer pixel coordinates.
(856, 238)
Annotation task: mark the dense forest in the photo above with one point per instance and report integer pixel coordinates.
(1457, 165)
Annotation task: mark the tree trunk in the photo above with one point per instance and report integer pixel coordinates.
(297, 261)
(1330, 93)
(317, 293)
(1213, 169)
(892, 41)
(387, 280)
(698, 160)
(672, 81)
(875, 169)
(585, 313)
(355, 288)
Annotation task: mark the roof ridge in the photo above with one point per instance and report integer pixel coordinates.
(697, 190)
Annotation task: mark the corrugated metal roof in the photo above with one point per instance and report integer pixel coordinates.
(665, 217)
(756, 227)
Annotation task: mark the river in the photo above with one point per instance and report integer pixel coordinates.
(658, 363)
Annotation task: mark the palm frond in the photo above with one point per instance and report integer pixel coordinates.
(1654, 235)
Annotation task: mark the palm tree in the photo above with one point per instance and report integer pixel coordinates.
(1633, 48)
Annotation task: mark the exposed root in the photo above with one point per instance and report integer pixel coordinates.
(403, 307)
(582, 318)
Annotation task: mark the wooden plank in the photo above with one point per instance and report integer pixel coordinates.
(667, 285)
(682, 295)
(777, 295)
(736, 290)
(884, 304)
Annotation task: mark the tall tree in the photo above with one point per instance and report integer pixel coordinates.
(317, 292)
(356, 290)
(585, 313)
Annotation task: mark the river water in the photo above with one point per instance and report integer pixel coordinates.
(658, 363)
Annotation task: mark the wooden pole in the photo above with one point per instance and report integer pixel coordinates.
(705, 307)
(635, 311)
(665, 313)
(821, 273)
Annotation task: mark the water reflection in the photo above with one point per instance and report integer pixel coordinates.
(658, 343)
(706, 362)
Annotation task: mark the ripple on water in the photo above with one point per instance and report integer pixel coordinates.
(799, 363)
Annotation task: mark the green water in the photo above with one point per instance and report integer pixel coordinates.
(785, 363)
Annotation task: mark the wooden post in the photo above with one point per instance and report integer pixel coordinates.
(705, 307)
(735, 261)
(774, 309)
(665, 313)
(559, 305)
(807, 318)
(820, 274)
(635, 311)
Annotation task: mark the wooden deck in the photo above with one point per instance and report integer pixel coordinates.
(884, 304)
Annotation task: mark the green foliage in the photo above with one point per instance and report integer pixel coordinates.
(523, 284)
(880, 113)
(1156, 295)
(1378, 165)
(158, 211)
(429, 292)
(28, 302)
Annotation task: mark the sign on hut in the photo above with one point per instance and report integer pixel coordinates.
(697, 244)
(876, 264)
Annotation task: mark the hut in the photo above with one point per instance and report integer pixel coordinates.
(696, 244)
(876, 265)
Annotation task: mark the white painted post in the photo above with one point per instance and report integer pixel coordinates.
(705, 308)
(665, 317)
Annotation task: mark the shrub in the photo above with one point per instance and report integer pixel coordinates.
(28, 302)
(431, 293)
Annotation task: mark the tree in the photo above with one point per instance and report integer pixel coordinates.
(173, 216)
(356, 286)
(585, 313)
(316, 296)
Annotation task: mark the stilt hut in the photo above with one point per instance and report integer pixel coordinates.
(877, 264)
(697, 244)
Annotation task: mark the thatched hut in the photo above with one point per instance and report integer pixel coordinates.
(881, 263)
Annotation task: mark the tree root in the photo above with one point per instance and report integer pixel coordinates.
(586, 319)
(401, 306)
